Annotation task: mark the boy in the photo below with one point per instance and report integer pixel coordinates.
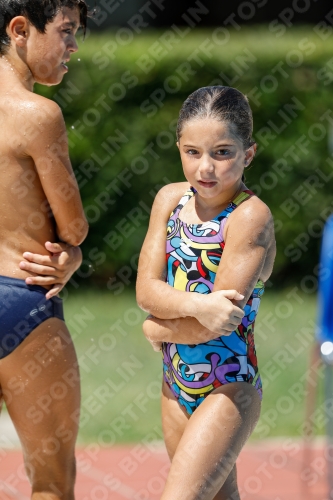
(40, 202)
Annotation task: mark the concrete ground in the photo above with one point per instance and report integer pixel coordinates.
(280, 469)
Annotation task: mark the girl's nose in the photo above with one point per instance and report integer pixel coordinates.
(206, 164)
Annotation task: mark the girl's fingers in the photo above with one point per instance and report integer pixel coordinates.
(225, 333)
(231, 294)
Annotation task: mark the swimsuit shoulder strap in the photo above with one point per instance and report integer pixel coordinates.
(184, 199)
(242, 196)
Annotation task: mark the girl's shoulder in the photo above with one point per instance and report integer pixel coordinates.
(169, 195)
(253, 208)
(253, 216)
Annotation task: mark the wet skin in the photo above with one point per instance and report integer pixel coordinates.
(40, 203)
(34, 149)
(204, 447)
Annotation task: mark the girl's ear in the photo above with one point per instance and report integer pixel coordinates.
(250, 154)
(177, 144)
(18, 30)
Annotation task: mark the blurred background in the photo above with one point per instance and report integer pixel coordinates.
(121, 99)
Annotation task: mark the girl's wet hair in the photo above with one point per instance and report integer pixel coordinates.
(38, 12)
(223, 103)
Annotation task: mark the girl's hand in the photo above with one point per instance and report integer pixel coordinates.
(55, 269)
(146, 327)
(217, 313)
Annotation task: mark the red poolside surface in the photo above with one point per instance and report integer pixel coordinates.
(266, 471)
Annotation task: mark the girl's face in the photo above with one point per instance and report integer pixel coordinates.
(213, 158)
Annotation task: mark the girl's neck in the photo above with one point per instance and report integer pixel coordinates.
(206, 205)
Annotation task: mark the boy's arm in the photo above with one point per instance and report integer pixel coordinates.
(55, 269)
(50, 155)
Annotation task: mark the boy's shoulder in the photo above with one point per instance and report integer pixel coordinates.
(37, 120)
(23, 103)
(34, 105)
(32, 123)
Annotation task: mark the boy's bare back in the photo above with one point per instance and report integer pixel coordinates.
(40, 199)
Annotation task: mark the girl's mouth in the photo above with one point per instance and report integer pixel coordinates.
(207, 184)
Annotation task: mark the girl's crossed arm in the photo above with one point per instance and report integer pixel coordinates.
(164, 302)
(248, 255)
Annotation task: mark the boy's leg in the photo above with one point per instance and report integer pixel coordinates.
(41, 388)
(174, 422)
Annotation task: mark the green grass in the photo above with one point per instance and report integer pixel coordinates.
(121, 375)
(284, 339)
(118, 364)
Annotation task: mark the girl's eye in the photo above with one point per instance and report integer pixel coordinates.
(192, 152)
(222, 152)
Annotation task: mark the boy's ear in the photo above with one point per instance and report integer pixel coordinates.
(18, 30)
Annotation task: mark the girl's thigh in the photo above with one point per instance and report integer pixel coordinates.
(174, 420)
(203, 465)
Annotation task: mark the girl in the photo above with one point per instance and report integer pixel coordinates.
(219, 238)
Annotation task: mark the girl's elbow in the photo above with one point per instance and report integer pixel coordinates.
(146, 330)
(141, 300)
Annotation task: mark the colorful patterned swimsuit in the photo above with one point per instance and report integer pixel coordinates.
(193, 253)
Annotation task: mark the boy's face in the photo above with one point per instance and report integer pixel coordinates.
(48, 53)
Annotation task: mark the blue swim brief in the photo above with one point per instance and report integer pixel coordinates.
(22, 308)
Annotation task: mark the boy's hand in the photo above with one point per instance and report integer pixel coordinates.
(55, 269)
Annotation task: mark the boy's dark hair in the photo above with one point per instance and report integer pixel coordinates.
(38, 12)
(223, 103)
